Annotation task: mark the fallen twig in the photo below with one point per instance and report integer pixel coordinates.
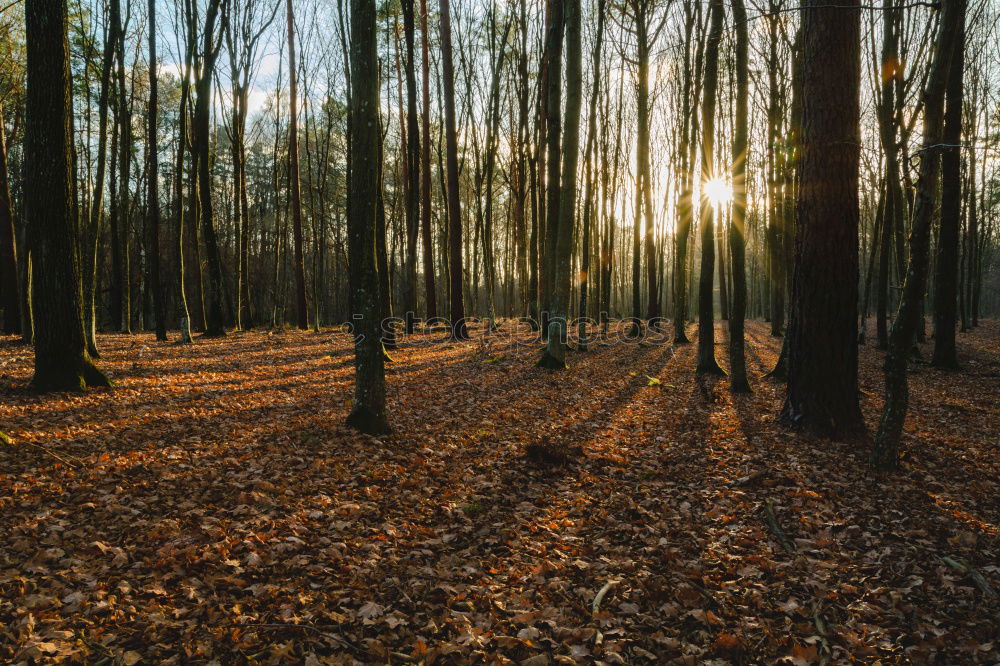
(978, 578)
(308, 627)
(821, 629)
(55, 455)
(747, 480)
(772, 522)
(600, 595)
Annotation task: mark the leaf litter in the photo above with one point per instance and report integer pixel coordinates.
(212, 508)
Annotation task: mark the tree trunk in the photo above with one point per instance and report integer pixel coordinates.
(215, 316)
(775, 238)
(62, 362)
(644, 197)
(412, 184)
(885, 448)
(183, 314)
(706, 310)
(153, 196)
(301, 307)
(946, 271)
(492, 125)
(368, 414)
(522, 271)
(552, 95)
(121, 295)
(92, 232)
(588, 199)
(425, 171)
(458, 325)
(822, 352)
(684, 208)
(555, 353)
(895, 204)
(737, 228)
(10, 287)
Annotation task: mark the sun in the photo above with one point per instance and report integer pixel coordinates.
(718, 191)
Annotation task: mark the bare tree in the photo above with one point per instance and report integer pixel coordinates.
(152, 183)
(211, 38)
(885, 448)
(301, 307)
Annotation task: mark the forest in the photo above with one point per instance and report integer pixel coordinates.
(499, 332)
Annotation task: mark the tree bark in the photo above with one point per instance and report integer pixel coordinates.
(684, 208)
(644, 197)
(822, 350)
(183, 314)
(946, 270)
(895, 203)
(589, 211)
(301, 307)
(775, 238)
(413, 171)
(885, 448)
(121, 295)
(369, 413)
(737, 228)
(62, 362)
(153, 195)
(426, 177)
(706, 310)
(92, 232)
(458, 324)
(555, 353)
(10, 284)
(215, 317)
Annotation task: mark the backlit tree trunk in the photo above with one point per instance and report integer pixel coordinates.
(153, 194)
(684, 208)
(458, 327)
(946, 270)
(706, 309)
(555, 353)
(737, 228)
(589, 205)
(426, 177)
(822, 349)
(412, 172)
(885, 449)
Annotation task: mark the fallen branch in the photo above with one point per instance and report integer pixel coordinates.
(978, 578)
(749, 479)
(600, 595)
(8, 440)
(306, 627)
(821, 629)
(772, 522)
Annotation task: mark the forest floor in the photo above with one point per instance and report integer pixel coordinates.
(212, 506)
